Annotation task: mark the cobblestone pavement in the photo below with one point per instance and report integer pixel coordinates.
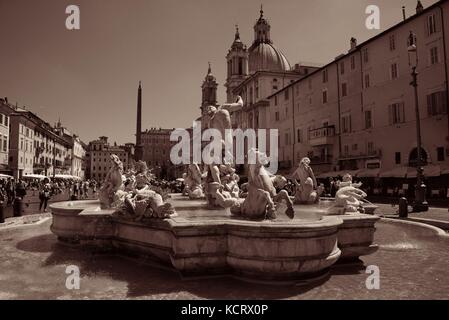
(33, 264)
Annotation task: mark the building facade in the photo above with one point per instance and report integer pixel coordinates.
(358, 111)
(5, 111)
(21, 150)
(156, 152)
(98, 158)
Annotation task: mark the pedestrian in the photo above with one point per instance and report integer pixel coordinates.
(44, 194)
(20, 189)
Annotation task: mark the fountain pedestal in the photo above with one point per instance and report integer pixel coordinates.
(203, 242)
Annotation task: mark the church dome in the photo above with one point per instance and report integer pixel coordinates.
(264, 56)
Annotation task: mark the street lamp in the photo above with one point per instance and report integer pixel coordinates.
(420, 204)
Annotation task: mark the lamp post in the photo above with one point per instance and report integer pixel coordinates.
(420, 204)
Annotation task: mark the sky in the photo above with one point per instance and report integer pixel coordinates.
(88, 78)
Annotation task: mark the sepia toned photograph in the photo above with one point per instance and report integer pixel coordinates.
(224, 155)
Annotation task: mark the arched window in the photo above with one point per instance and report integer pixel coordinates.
(413, 157)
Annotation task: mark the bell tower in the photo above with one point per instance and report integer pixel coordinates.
(237, 59)
(209, 89)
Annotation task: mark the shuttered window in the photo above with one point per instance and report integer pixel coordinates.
(436, 103)
(396, 113)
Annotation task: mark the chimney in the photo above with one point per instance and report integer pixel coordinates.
(353, 44)
(403, 13)
(419, 7)
(6, 99)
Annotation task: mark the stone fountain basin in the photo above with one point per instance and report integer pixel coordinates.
(203, 242)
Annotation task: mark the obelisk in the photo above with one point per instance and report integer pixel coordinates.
(138, 154)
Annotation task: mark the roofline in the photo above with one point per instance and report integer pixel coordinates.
(359, 46)
(290, 72)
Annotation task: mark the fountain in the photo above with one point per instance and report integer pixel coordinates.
(219, 229)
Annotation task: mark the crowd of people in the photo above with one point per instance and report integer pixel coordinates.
(12, 190)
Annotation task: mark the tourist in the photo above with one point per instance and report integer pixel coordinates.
(20, 189)
(44, 194)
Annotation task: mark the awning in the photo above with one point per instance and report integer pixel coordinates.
(368, 173)
(398, 172)
(431, 170)
(445, 169)
(335, 174)
(34, 176)
(5, 176)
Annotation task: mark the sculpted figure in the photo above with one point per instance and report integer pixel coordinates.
(113, 183)
(193, 180)
(349, 198)
(146, 203)
(261, 197)
(135, 198)
(141, 175)
(221, 181)
(306, 190)
(233, 106)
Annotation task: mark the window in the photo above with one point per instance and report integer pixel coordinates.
(346, 124)
(436, 103)
(440, 154)
(370, 147)
(368, 119)
(251, 95)
(392, 42)
(287, 139)
(275, 100)
(355, 146)
(396, 113)
(324, 96)
(365, 55)
(344, 89)
(434, 55)
(367, 83)
(240, 66)
(346, 150)
(286, 94)
(431, 24)
(394, 71)
(276, 116)
(397, 158)
(257, 89)
(325, 77)
(299, 135)
(342, 67)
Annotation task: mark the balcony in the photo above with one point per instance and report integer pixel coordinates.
(375, 153)
(319, 160)
(322, 136)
